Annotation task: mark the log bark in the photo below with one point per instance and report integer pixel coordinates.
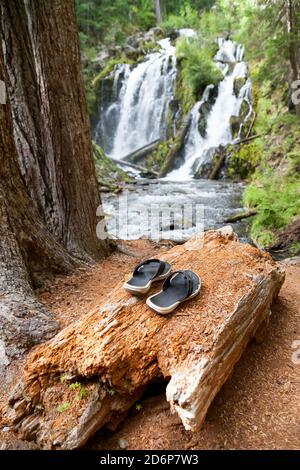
(51, 124)
(140, 154)
(241, 216)
(115, 351)
(177, 146)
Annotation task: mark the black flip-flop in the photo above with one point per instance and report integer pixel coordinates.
(145, 273)
(177, 288)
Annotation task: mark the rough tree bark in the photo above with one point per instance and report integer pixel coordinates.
(51, 124)
(48, 209)
(25, 246)
(117, 349)
(32, 135)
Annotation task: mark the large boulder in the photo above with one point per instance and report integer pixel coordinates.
(94, 370)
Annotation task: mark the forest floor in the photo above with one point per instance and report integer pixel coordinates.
(258, 408)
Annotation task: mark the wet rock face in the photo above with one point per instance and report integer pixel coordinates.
(138, 40)
(204, 169)
(205, 109)
(235, 125)
(238, 84)
(111, 354)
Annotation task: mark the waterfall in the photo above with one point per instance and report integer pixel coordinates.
(137, 113)
(199, 150)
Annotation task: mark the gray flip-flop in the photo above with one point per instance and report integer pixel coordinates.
(177, 288)
(150, 270)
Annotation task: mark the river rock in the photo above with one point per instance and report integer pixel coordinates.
(238, 84)
(114, 352)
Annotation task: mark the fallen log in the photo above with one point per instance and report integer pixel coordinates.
(135, 167)
(141, 153)
(241, 216)
(247, 139)
(93, 371)
(176, 147)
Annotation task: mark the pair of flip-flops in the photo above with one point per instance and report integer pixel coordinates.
(178, 287)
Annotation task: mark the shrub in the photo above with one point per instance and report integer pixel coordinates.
(197, 67)
(187, 18)
(278, 203)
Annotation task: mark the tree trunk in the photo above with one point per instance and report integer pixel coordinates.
(48, 189)
(26, 246)
(116, 350)
(51, 124)
(31, 132)
(293, 43)
(158, 10)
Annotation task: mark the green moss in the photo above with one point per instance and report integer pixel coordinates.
(244, 159)
(110, 176)
(158, 157)
(109, 68)
(74, 386)
(184, 94)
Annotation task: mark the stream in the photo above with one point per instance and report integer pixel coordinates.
(161, 209)
(134, 111)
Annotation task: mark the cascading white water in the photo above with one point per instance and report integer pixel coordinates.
(141, 104)
(197, 149)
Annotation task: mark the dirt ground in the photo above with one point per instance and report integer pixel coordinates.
(258, 408)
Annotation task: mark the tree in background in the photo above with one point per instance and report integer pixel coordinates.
(271, 34)
(158, 10)
(48, 189)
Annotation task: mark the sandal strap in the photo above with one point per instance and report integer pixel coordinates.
(160, 267)
(187, 278)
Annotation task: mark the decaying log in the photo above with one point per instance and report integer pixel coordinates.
(241, 216)
(112, 353)
(136, 167)
(141, 153)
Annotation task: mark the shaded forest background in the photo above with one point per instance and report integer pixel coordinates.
(270, 32)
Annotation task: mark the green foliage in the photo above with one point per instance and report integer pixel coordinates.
(294, 249)
(244, 159)
(278, 203)
(187, 18)
(111, 391)
(110, 22)
(138, 407)
(143, 15)
(83, 393)
(74, 386)
(197, 67)
(63, 407)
